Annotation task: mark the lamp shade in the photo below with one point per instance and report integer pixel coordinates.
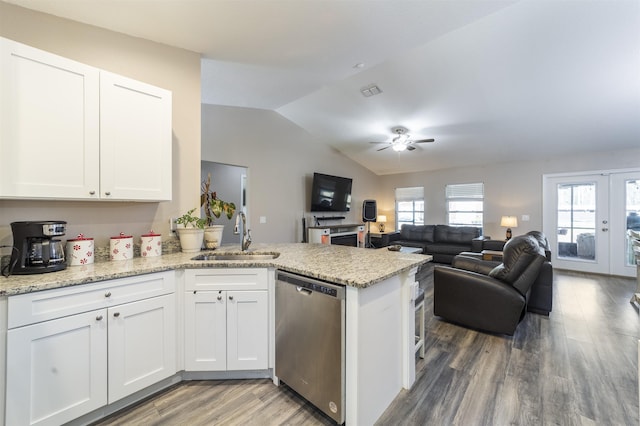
(509, 221)
(381, 218)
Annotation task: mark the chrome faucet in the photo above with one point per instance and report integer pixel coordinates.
(246, 233)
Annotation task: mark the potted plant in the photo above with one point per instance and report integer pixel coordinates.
(191, 234)
(213, 208)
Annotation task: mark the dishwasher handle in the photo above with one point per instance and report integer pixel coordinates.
(303, 290)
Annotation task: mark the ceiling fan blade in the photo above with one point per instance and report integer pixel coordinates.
(384, 147)
(378, 142)
(423, 141)
(410, 148)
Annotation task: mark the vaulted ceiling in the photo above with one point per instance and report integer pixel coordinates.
(491, 81)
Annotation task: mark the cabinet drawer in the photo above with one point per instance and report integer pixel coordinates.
(226, 279)
(45, 305)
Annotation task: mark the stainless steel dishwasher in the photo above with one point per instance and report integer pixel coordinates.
(310, 340)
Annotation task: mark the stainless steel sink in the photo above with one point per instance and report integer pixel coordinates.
(237, 256)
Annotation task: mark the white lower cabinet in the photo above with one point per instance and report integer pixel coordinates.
(141, 345)
(226, 320)
(59, 369)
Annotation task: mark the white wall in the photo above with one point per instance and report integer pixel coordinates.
(510, 188)
(175, 69)
(281, 158)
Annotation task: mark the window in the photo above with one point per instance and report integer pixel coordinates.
(465, 204)
(409, 206)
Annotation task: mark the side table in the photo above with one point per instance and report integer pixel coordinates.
(380, 239)
(494, 255)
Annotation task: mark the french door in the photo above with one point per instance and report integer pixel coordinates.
(586, 217)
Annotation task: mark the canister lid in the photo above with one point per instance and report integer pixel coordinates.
(81, 237)
(151, 234)
(122, 235)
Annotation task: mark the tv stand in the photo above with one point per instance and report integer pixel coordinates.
(347, 235)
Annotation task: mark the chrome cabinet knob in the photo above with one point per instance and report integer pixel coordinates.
(219, 297)
(230, 297)
(116, 314)
(92, 192)
(107, 193)
(107, 294)
(99, 318)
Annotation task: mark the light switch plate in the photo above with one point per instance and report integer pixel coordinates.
(263, 219)
(525, 218)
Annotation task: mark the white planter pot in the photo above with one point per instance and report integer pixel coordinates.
(213, 236)
(190, 239)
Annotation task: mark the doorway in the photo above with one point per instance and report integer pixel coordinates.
(586, 217)
(230, 184)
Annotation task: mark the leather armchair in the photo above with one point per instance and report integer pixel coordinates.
(489, 296)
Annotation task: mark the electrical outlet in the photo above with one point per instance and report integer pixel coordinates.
(172, 224)
(263, 219)
(525, 218)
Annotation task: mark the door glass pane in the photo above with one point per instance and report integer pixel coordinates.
(576, 219)
(632, 212)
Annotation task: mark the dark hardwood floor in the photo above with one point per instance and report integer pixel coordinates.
(576, 367)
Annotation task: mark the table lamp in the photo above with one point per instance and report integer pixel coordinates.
(381, 220)
(509, 222)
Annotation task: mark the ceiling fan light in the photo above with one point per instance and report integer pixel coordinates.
(398, 147)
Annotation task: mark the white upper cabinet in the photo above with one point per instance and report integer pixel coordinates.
(49, 125)
(135, 139)
(71, 131)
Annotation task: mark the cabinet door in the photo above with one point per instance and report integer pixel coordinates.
(142, 346)
(49, 118)
(135, 139)
(205, 331)
(57, 370)
(247, 330)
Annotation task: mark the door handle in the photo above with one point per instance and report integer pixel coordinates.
(605, 229)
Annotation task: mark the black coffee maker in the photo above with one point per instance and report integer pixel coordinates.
(35, 250)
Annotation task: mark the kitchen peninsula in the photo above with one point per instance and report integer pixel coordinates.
(379, 285)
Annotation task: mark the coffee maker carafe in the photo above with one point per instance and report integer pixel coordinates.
(35, 250)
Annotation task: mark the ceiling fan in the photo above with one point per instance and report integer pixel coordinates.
(402, 141)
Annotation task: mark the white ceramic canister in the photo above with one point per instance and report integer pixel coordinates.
(80, 251)
(151, 244)
(121, 247)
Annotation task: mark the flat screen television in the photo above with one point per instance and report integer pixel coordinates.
(330, 193)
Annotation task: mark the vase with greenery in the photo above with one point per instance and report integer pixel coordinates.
(191, 234)
(213, 208)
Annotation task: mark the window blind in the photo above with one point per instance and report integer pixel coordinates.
(409, 194)
(465, 190)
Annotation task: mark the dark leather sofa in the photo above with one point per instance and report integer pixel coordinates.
(443, 242)
(493, 296)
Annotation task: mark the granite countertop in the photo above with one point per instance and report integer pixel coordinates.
(338, 264)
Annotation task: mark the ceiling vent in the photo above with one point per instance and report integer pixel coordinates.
(370, 90)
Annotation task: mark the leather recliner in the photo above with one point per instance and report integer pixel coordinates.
(487, 297)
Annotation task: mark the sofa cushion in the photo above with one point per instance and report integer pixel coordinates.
(422, 233)
(446, 248)
(456, 234)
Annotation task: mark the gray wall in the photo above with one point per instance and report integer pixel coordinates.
(281, 159)
(510, 188)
